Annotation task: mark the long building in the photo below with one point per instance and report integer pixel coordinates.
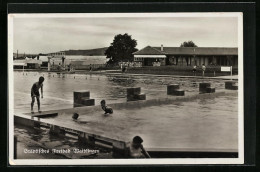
(187, 56)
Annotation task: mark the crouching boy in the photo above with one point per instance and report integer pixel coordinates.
(108, 110)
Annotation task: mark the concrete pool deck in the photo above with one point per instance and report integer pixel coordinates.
(113, 131)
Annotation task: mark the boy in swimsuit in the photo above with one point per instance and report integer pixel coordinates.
(108, 110)
(137, 150)
(35, 93)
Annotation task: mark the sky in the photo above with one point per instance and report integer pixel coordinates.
(46, 35)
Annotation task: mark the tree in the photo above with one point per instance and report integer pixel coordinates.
(121, 49)
(188, 44)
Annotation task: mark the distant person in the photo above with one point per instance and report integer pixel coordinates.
(124, 69)
(214, 69)
(137, 150)
(194, 70)
(71, 68)
(107, 109)
(59, 67)
(68, 67)
(203, 69)
(121, 66)
(90, 67)
(35, 93)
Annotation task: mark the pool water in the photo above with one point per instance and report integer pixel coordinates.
(58, 89)
(205, 123)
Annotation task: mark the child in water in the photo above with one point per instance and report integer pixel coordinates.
(108, 110)
(75, 117)
(137, 150)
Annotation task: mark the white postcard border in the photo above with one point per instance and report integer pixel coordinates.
(154, 161)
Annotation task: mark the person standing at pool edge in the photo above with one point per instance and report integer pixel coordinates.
(194, 70)
(35, 93)
(203, 69)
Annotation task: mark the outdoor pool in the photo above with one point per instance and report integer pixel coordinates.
(201, 124)
(58, 89)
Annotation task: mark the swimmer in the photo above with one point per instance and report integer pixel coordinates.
(137, 150)
(75, 117)
(108, 110)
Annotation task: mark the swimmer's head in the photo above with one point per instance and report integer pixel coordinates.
(103, 102)
(75, 116)
(41, 79)
(137, 141)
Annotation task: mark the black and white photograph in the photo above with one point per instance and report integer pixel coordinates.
(125, 88)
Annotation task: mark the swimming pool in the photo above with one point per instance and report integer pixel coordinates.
(209, 123)
(202, 125)
(58, 89)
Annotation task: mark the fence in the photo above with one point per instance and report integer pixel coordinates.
(87, 67)
(181, 70)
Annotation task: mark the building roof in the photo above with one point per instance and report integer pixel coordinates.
(31, 61)
(187, 51)
(44, 58)
(19, 63)
(149, 51)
